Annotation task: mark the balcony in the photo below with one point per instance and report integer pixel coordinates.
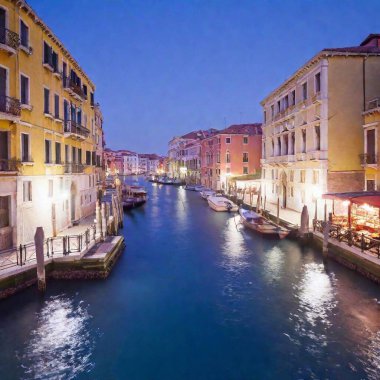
(73, 129)
(372, 106)
(73, 89)
(9, 41)
(10, 108)
(72, 168)
(368, 159)
(9, 165)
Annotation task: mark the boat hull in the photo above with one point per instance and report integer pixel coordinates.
(219, 206)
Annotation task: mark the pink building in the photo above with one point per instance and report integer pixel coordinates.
(232, 152)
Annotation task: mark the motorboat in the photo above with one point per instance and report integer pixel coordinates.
(190, 187)
(205, 193)
(199, 188)
(221, 204)
(263, 226)
(133, 196)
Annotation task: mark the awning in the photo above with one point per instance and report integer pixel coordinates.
(372, 198)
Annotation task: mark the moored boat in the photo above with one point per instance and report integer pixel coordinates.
(263, 226)
(205, 193)
(221, 204)
(133, 196)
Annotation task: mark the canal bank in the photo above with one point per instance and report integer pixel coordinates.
(197, 297)
(365, 262)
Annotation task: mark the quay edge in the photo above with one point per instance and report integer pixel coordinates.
(97, 263)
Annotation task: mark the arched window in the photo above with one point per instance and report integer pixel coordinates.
(228, 157)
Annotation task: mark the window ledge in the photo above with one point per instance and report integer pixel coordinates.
(48, 115)
(49, 164)
(28, 107)
(27, 163)
(26, 49)
(47, 66)
(58, 120)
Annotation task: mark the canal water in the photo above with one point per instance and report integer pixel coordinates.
(196, 296)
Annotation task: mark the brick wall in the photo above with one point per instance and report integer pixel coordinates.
(338, 182)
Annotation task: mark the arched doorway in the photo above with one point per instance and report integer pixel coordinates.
(284, 182)
(73, 193)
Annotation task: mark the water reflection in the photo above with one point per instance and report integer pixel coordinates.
(61, 345)
(273, 264)
(316, 303)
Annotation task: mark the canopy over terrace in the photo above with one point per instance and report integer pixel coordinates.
(371, 198)
(360, 198)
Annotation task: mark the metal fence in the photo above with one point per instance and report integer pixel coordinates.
(57, 246)
(365, 243)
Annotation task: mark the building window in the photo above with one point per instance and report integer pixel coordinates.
(303, 135)
(265, 116)
(228, 140)
(218, 157)
(245, 157)
(67, 154)
(56, 106)
(24, 83)
(304, 91)
(291, 191)
(51, 188)
(46, 100)
(48, 156)
(272, 110)
(245, 169)
(25, 147)
(4, 211)
(302, 176)
(58, 159)
(293, 97)
(317, 130)
(278, 106)
(317, 82)
(285, 102)
(245, 140)
(27, 191)
(315, 177)
(24, 34)
(370, 185)
(80, 156)
(291, 175)
(228, 170)
(88, 158)
(228, 157)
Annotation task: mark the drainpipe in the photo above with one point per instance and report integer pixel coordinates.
(364, 80)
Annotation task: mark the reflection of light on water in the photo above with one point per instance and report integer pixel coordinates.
(372, 362)
(273, 264)
(61, 345)
(316, 296)
(234, 246)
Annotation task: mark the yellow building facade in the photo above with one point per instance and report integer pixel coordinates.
(48, 138)
(312, 130)
(370, 159)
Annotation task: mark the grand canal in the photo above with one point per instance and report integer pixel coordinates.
(194, 296)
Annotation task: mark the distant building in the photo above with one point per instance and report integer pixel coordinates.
(131, 163)
(229, 153)
(182, 154)
(313, 127)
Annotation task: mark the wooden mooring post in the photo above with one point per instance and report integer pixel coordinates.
(39, 238)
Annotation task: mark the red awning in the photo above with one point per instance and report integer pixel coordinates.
(371, 198)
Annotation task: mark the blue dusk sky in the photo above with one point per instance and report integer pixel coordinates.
(163, 68)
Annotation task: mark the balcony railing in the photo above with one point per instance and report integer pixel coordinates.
(368, 159)
(74, 168)
(373, 104)
(9, 165)
(73, 88)
(9, 38)
(9, 105)
(75, 128)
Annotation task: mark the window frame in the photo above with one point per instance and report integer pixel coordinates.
(28, 92)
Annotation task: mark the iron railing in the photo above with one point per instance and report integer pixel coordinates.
(9, 105)
(9, 38)
(58, 246)
(360, 240)
(73, 87)
(74, 168)
(9, 165)
(73, 127)
(373, 104)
